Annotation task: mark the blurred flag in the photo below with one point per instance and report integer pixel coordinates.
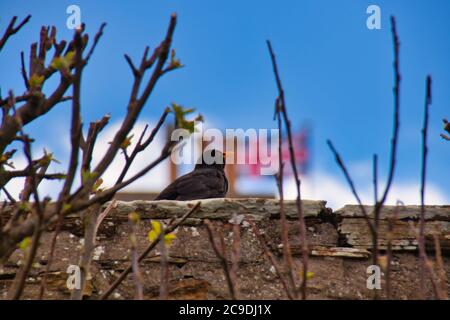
(301, 144)
(300, 141)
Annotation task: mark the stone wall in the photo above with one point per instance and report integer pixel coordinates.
(339, 244)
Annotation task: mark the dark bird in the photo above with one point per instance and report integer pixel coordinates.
(207, 180)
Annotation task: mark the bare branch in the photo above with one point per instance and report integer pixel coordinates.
(440, 269)
(137, 103)
(287, 254)
(97, 37)
(135, 71)
(142, 146)
(427, 265)
(394, 140)
(271, 259)
(390, 236)
(15, 291)
(375, 178)
(377, 211)
(351, 183)
(76, 136)
(172, 226)
(24, 71)
(135, 265)
(11, 30)
(235, 254)
(88, 146)
(422, 252)
(287, 122)
(36, 104)
(220, 251)
(164, 279)
(8, 195)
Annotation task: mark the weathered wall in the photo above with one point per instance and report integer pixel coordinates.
(339, 242)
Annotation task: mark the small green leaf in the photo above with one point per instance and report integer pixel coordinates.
(180, 117)
(168, 238)
(63, 63)
(66, 207)
(60, 176)
(156, 231)
(87, 176)
(35, 81)
(25, 243)
(96, 187)
(134, 217)
(57, 63)
(4, 159)
(126, 143)
(24, 206)
(174, 62)
(309, 274)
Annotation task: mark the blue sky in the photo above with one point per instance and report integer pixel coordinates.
(337, 73)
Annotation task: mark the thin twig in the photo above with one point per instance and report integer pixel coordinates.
(75, 136)
(133, 68)
(394, 140)
(11, 30)
(377, 212)
(172, 226)
(375, 178)
(303, 239)
(102, 216)
(97, 37)
(440, 269)
(137, 103)
(390, 234)
(9, 196)
(24, 71)
(271, 259)
(221, 253)
(236, 254)
(287, 254)
(164, 285)
(141, 146)
(422, 252)
(428, 267)
(137, 276)
(39, 104)
(18, 285)
(350, 182)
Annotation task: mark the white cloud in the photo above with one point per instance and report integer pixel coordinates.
(154, 180)
(361, 169)
(319, 185)
(323, 186)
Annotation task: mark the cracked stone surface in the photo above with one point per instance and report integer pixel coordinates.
(339, 244)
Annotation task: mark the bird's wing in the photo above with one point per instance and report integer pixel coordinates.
(199, 184)
(169, 193)
(206, 183)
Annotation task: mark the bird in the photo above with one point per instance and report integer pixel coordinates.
(207, 180)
